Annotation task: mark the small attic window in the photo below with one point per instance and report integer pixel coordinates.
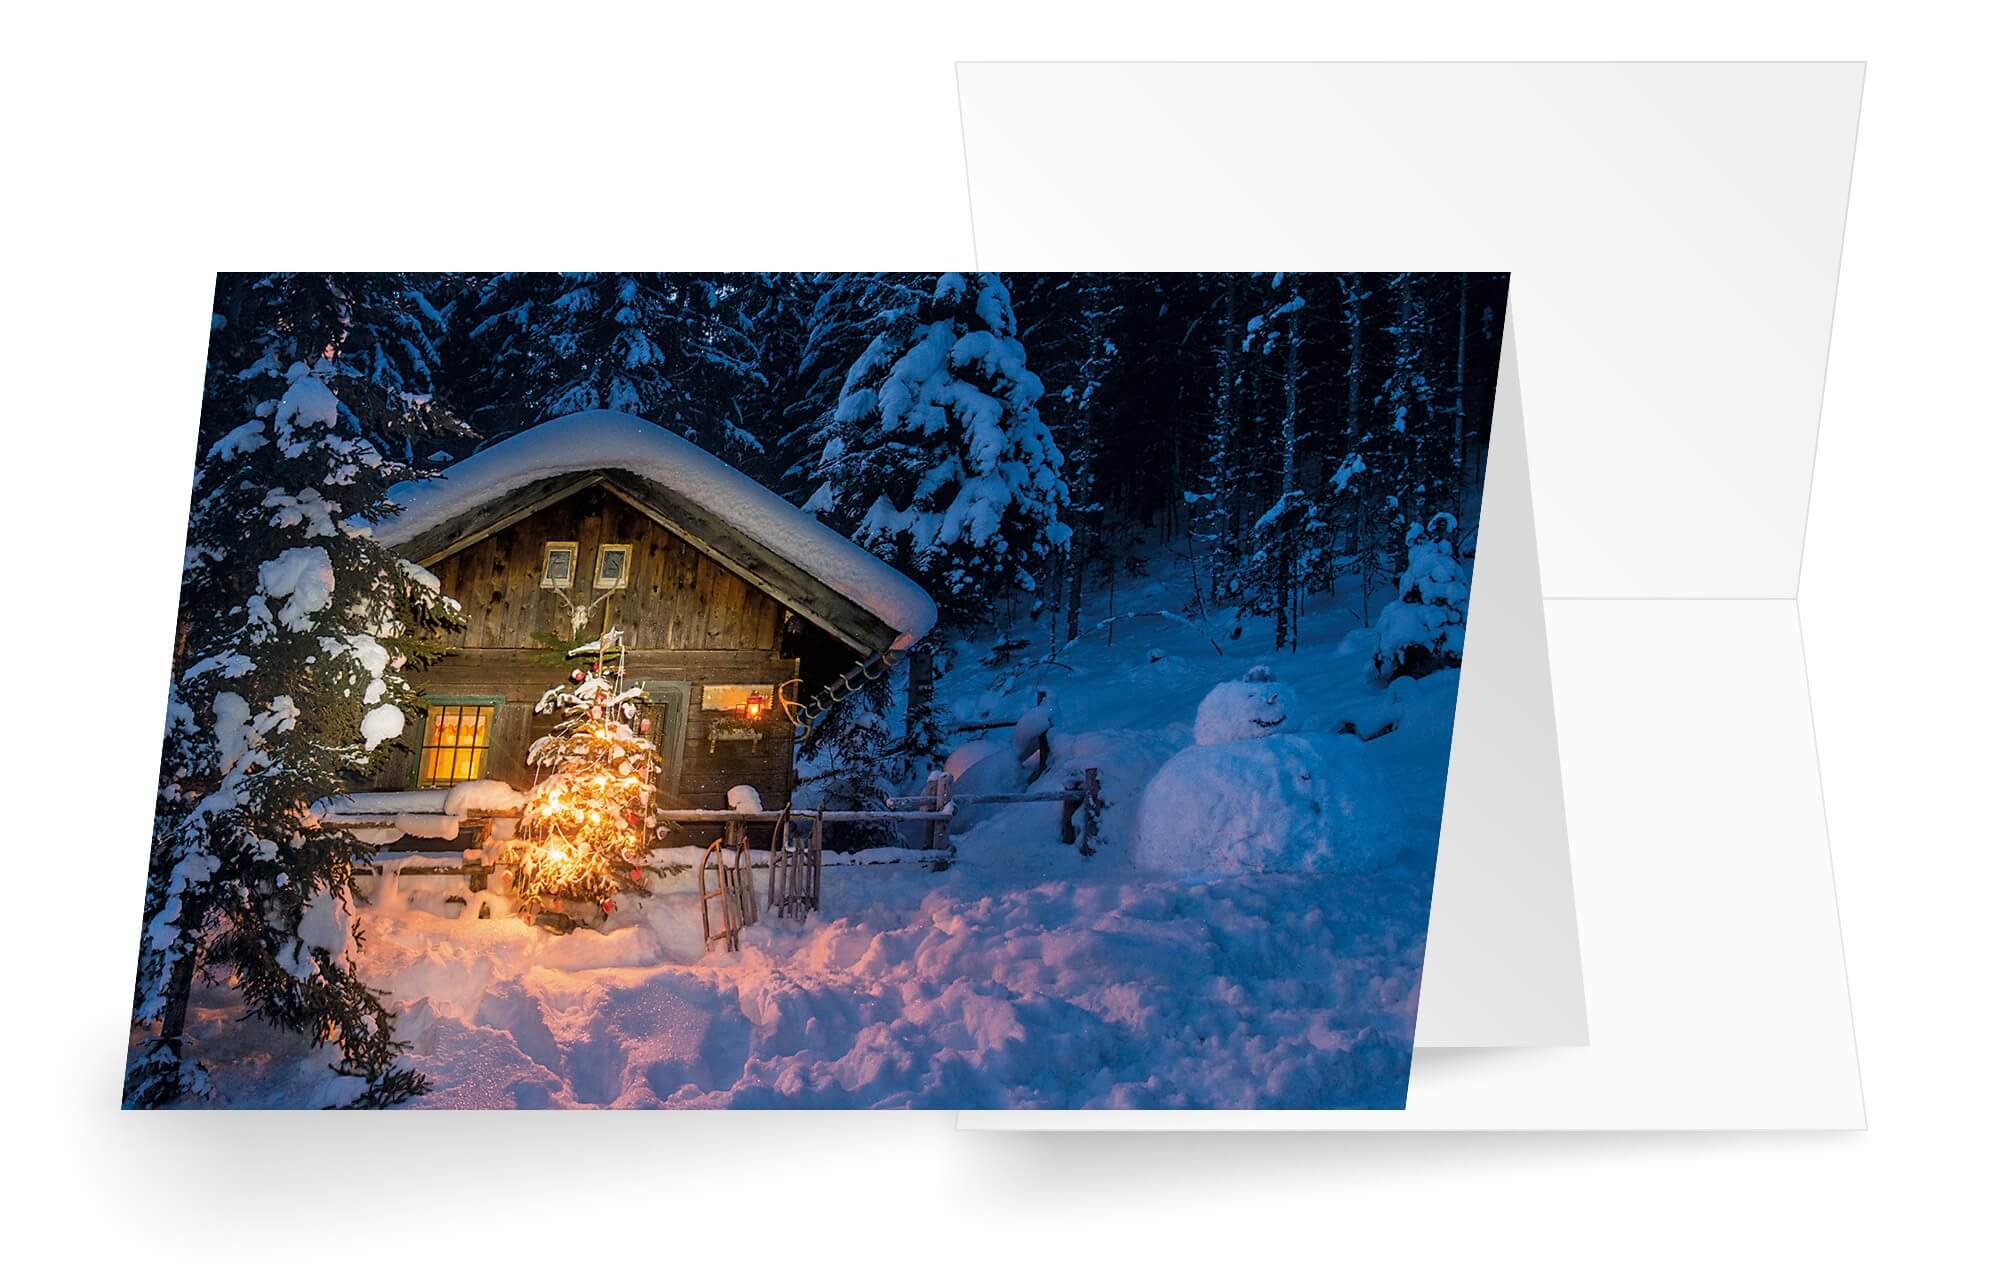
(614, 565)
(558, 564)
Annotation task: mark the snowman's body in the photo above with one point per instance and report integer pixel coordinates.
(1250, 797)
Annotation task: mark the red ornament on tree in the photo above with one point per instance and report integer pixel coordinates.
(608, 906)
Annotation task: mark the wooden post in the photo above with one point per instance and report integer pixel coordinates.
(936, 833)
(1093, 805)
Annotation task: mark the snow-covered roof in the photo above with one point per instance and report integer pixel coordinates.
(610, 442)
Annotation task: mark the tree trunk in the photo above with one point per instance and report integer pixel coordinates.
(1057, 594)
(173, 1018)
(1458, 400)
(1079, 558)
(1282, 596)
(1363, 544)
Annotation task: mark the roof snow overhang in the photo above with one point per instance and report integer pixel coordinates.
(756, 564)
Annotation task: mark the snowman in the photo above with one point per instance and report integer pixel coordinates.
(1250, 796)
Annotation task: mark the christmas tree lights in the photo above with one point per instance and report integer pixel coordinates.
(585, 826)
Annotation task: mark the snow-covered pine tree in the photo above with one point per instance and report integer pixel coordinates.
(1215, 501)
(1288, 536)
(294, 626)
(656, 345)
(1082, 429)
(938, 459)
(586, 824)
(850, 761)
(1423, 630)
(373, 337)
(847, 311)
(1356, 497)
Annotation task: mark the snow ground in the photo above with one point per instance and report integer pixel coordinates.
(1023, 976)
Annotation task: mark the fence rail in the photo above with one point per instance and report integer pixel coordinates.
(934, 809)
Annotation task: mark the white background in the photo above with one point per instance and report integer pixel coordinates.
(1674, 232)
(146, 149)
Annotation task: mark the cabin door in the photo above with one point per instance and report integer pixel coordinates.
(663, 720)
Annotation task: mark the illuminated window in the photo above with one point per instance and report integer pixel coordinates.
(614, 565)
(558, 564)
(456, 737)
(735, 696)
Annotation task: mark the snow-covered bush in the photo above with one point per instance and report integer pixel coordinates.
(1280, 804)
(1244, 709)
(1424, 630)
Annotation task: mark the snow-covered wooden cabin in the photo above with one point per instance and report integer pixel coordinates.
(723, 590)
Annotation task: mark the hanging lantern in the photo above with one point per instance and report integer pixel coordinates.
(754, 706)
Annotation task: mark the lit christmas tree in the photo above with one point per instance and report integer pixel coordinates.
(585, 825)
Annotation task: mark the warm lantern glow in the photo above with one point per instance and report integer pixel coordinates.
(754, 706)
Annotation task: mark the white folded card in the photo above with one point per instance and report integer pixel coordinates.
(1673, 233)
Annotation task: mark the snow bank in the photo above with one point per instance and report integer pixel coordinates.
(998, 772)
(971, 754)
(433, 814)
(612, 440)
(1281, 804)
(914, 989)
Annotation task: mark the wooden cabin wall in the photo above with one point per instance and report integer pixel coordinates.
(519, 678)
(678, 597)
(686, 618)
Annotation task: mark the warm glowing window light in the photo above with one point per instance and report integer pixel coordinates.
(456, 738)
(752, 701)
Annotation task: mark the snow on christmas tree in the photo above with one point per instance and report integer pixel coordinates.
(1424, 630)
(585, 827)
(295, 625)
(937, 459)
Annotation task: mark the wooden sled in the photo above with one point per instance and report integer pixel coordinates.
(792, 892)
(734, 896)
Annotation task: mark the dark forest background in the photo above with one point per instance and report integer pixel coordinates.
(1281, 432)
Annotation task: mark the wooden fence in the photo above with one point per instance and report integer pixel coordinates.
(934, 809)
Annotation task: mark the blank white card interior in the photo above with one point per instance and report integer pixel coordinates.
(1673, 232)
